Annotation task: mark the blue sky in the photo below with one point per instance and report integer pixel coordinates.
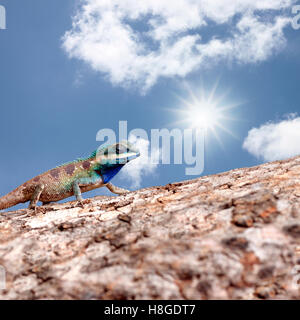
(53, 105)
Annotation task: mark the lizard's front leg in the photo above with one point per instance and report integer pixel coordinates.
(83, 182)
(116, 189)
(36, 196)
(77, 191)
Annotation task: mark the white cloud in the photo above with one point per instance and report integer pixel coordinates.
(143, 165)
(136, 42)
(275, 141)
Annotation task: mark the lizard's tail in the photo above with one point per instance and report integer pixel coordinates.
(11, 199)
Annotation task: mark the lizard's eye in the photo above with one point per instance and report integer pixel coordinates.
(120, 149)
(106, 152)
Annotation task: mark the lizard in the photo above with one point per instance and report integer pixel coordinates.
(74, 178)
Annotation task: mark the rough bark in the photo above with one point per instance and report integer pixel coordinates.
(234, 235)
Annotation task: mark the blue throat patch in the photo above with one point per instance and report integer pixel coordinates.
(108, 172)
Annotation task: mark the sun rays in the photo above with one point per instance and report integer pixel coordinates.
(206, 110)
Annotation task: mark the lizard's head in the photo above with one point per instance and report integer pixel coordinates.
(118, 154)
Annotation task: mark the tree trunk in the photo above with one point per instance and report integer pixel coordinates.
(234, 235)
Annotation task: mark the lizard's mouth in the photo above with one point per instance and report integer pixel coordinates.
(129, 158)
(134, 156)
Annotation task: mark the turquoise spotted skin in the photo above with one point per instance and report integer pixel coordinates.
(75, 177)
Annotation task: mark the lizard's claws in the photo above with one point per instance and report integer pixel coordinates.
(124, 191)
(34, 210)
(81, 203)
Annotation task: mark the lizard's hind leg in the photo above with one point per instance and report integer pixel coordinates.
(36, 196)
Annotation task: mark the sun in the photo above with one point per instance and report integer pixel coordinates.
(206, 110)
(203, 115)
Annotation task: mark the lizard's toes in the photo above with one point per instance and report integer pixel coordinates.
(33, 210)
(80, 203)
(121, 191)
